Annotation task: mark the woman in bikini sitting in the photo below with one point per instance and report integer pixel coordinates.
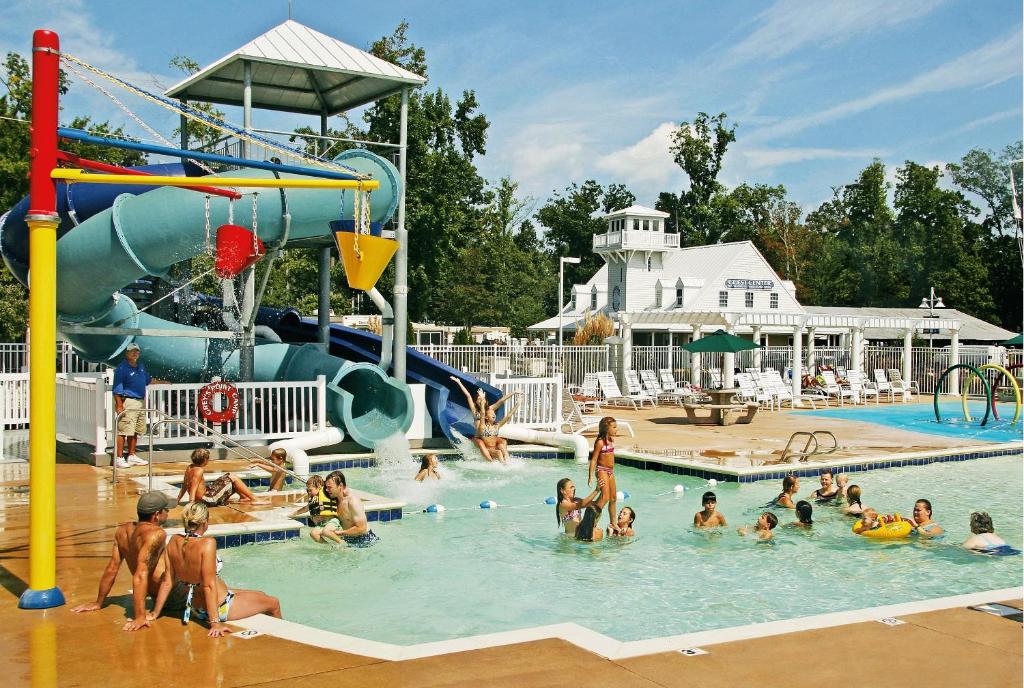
(602, 464)
(192, 560)
(569, 508)
(216, 492)
(486, 439)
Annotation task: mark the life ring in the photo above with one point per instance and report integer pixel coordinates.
(898, 529)
(229, 407)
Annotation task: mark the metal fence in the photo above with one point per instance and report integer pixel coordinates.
(481, 360)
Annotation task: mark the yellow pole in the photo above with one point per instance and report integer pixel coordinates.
(42, 432)
(79, 176)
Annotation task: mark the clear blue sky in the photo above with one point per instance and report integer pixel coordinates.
(579, 90)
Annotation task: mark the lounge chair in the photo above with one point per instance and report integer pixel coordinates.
(650, 383)
(636, 390)
(861, 387)
(835, 391)
(610, 390)
(669, 385)
(577, 421)
(751, 391)
(901, 386)
(883, 385)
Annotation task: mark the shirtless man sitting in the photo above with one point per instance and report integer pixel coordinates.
(350, 525)
(140, 544)
(216, 492)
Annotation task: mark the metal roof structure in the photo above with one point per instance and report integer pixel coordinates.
(297, 69)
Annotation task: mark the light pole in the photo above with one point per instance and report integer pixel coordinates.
(561, 304)
(931, 302)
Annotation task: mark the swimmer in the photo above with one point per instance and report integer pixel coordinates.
(624, 523)
(843, 482)
(588, 530)
(922, 520)
(319, 506)
(871, 519)
(275, 466)
(428, 468)
(790, 486)
(709, 517)
(602, 464)
(853, 506)
(828, 490)
(569, 509)
(804, 512)
(766, 523)
(983, 536)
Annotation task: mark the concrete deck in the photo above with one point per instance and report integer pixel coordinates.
(56, 647)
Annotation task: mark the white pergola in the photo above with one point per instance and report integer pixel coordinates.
(797, 323)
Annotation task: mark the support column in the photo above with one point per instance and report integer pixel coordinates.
(857, 354)
(811, 362)
(798, 356)
(246, 362)
(183, 315)
(729, 366)
(626, 335)
(323, 303)
(758, 352)
(402, 258)
(908, 354)
(695, 359)
(954, 358)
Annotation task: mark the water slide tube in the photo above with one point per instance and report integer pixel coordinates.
(579, 446)
(124, 236)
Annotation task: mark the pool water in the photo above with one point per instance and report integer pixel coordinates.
(470, 571)
(921, 418)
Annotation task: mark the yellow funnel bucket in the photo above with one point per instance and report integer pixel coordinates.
(364, 262)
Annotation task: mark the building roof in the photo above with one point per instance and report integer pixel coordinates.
(297, 69)
(971, 328)
(640, 210)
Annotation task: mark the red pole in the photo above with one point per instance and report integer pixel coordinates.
(43, 148)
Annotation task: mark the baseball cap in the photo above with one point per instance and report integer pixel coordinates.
(132, 347)
(152, 502)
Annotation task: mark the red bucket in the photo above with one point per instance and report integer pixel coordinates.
(237, 249)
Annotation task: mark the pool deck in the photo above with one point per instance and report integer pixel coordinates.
(954, 646)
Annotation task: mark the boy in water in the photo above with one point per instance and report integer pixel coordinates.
(709, 517)
(763, 528)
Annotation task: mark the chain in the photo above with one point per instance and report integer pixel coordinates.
(356, 199)
(255, 214)
(231, 211)
(206, 213)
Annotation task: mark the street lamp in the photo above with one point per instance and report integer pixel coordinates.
(561, 304)
(931, 302)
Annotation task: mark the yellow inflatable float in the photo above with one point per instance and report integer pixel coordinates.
(899, 528)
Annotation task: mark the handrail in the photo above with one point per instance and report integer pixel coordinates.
(193, 424)
(807, 452)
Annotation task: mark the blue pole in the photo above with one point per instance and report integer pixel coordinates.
(77, 135)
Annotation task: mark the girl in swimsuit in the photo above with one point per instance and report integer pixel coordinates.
(853, 505)
(486, 439)
(602, 462)
(922, 520)
(192, 560)
(428, 468)
(569, 508)
(790, 486)
(625, 523)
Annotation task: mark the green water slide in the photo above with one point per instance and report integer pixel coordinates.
(146, 234)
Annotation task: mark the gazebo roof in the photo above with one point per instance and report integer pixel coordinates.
(297, 69)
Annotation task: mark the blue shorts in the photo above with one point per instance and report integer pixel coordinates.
(364, 540)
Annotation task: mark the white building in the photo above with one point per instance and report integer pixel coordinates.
(661, 294)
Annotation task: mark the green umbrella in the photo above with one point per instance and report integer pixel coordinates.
(1013, 341)
(721, 342)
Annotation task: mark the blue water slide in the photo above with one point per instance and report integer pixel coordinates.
(445, 402)
(119, 235)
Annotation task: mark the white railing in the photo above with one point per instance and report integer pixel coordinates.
(84, 405)
(539, 407)
(14, 358)
(632, 238)
(481, 360)
(14, 397)
(267, 410)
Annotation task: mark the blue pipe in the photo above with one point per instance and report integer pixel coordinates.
(76, 135)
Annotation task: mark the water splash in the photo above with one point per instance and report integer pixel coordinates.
(465, 447)
(393, 453)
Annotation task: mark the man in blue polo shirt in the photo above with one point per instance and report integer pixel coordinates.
(130, 381)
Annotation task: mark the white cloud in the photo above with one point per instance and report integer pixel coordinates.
(789, 25)
(990, 64)
(759, 158)
(989, 119)
(648, 162)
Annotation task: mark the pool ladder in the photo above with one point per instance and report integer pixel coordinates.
(812, 446)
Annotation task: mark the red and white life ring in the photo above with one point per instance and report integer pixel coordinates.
(228, 407)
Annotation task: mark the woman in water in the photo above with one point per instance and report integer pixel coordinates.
(983, 535)
(853, 506)
(428, 468)
(588, 530)
(624, 522)
(569, 509)
(602, 463)
(486, 438)
(804, 510)
(922, 520)
(828, 490)
(790, 486)
(192, 560)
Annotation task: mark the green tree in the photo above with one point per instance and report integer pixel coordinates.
(200, 136)
(699, 149)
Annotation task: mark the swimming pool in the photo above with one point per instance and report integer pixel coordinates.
(473, 571)
(921, 418)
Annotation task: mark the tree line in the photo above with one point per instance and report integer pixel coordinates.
(480, 254)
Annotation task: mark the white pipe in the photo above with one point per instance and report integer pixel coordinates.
(552, 439)
(298, 446)
(387, 330)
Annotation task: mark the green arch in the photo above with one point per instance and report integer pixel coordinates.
(945, 374)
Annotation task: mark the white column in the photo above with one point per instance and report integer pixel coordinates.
(798, 356)
(758, 353)
(401, 300)
(954, 358)
(729, 365)
(626, 334)
(810, 349)
(857, 355)
(695, 359)
(908, 354)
